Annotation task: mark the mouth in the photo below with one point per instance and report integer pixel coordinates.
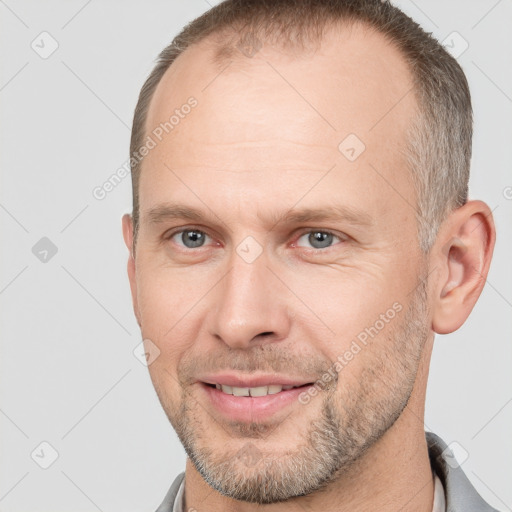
(250, 404)
(258, 391)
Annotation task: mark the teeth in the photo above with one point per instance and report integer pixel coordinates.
(272, 390)
(240, 391)
(257, 391)
(260, 391)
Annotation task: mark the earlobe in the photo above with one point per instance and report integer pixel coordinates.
(128, 240)
(462, 254)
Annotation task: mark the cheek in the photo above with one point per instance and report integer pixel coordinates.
(171, 305)
(344, 300)
(163, 307)
(164, 295)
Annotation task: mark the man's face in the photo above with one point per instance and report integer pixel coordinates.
(302, 253)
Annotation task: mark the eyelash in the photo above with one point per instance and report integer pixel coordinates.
(341, 238)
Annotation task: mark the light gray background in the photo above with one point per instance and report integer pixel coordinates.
(68, 373)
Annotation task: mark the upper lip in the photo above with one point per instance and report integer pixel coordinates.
(251, 381)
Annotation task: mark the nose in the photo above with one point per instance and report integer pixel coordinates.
(249, 306)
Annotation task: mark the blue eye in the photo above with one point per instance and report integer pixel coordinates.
(318, 239)
(190, 238)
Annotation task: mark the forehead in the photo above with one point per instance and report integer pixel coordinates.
(283, 111)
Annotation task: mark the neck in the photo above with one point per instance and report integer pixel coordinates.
(394, 474)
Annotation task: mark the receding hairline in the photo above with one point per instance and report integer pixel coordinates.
(220, 46)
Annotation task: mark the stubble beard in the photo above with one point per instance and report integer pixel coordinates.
(349, 423)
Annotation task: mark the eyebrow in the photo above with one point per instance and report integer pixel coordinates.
(165, 212)
(171, 211)
(330, 213)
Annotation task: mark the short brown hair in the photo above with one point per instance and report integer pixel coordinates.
(439, 139)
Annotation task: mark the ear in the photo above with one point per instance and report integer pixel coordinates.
(462, 256)
(128, 240)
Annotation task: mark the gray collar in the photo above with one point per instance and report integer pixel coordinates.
(460, 494)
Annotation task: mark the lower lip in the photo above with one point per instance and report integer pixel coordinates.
(252, 408)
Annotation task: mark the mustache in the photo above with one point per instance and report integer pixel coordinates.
(264, 359)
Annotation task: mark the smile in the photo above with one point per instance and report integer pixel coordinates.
(255, 403)
(271, 389)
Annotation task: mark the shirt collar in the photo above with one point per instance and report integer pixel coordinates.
(439, 497)
(179, 502)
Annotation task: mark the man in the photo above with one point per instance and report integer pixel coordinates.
(300, 232)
